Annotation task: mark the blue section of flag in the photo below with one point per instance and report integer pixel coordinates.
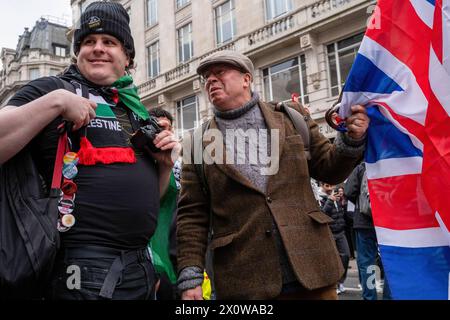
(421, 273)
(381, 134)
(365, 76)
(433, 2)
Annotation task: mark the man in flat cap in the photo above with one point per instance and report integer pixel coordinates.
(270, 239)
(114, 208)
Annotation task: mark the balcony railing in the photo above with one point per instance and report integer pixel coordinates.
(178, 72)
(146, 86)
(323, 6)
(228, 46)
(271, 30)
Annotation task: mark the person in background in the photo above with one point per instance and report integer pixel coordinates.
(348, 215)
(331, 205)
(163, 242)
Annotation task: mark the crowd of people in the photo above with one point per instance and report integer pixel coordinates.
(147, 226)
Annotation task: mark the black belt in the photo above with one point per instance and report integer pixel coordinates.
(122, 258)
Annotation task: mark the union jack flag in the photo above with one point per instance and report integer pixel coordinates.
(402, 73)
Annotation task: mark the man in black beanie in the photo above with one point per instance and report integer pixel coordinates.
(105, 18)
(107, 219)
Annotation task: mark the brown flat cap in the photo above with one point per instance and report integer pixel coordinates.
(228, 57)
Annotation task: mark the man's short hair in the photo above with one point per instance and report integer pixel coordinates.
(160, 112)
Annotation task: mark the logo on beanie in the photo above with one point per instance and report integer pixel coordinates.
(94, 22)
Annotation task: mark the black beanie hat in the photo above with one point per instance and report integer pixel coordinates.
(108, 18)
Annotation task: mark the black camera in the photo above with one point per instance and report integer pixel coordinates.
(145, 135)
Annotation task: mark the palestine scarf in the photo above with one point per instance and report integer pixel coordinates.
(103, 141)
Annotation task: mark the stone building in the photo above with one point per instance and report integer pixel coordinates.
(43, 51)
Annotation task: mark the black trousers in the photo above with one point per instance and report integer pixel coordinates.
(99, 273)
(344, 252)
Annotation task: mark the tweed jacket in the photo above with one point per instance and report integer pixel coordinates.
(246, 262)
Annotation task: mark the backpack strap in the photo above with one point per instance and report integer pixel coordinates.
(72, 87)
(197, 154)
(63, 84)
(299, 122)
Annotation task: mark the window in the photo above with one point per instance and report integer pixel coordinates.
(34, 73)
(153, 59)
(181, 3)
(54, 72)
(152, 12)
(225, 22)
(60, 51)
(185, 46)
(283, 79)
(275, 8)
(340, 59)
(187, 114)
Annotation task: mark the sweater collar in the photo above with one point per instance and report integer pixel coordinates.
(236, 113)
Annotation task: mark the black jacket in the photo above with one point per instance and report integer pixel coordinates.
(335, 211)
(351, 191)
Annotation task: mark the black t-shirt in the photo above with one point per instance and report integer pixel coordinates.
(116, 205)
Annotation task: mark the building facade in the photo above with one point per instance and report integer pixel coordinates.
(297, 46)
(43, 51)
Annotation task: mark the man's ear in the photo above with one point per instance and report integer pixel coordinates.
(247, 80)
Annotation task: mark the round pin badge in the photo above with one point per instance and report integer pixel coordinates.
(70, 171)
(69, 187)
(60, 227)
(66, 206)
(68, 197)
(68, 220)
(71, 157)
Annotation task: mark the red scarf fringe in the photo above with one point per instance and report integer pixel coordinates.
(90, 156)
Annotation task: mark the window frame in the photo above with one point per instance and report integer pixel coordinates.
(30, 72)
(60, 47)
(148, 22)
(180, 45)
(287, 4)
(216, 22)
(303, 86)
(54, 71)
(181, 3)
(337, 61)
(149, 60)
(179, 111)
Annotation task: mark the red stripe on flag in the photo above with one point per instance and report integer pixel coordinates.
(399, 203)
(437, 30)
(436, 160)
(406, 36)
